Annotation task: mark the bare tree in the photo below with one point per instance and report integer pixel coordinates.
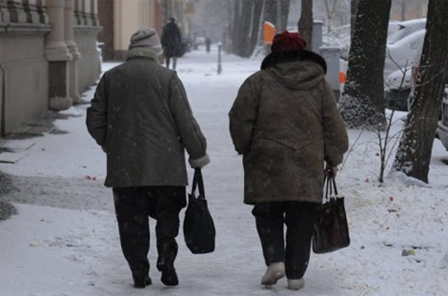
(245, 17)
(276, 12)
(305, 24)
(330, 10)
(353, 11)
(283, 14)
(414, 151)
(243, 34)
(236, 16)
(256, 25)
(403, 10)
(362, 101)
(270, 11)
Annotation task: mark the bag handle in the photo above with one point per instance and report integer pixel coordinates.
(199, 182)
(330, 186)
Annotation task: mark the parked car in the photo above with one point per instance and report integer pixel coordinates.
(399, 30)
(404, 56)
(341, 37)
(404, 44)
(397, 88)
(404, 52)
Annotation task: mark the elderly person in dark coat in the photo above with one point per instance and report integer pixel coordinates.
(142, 119)
(286, 124)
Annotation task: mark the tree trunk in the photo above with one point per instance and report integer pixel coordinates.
(414, 151)
(284, 12)
(305, 24)
(236, 26)
(270, 10)
(330, 12)
(231, 26)
(244, 33)
(362, 101)
(353, 11)
(403, 10)
(256, 25)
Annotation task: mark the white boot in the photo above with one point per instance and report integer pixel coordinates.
(274, 272)
(296, 284)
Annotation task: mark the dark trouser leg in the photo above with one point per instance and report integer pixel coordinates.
(131, 208)
(166, 203)
(269, 221)
(167, 61)
(174, 63)
(299, 220)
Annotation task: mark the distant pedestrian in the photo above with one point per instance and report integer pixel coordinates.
(142, 119)
(208, 42)
(171, 42)
(286, 124)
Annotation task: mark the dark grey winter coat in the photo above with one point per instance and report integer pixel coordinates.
(171, 40)
(286, 123)
(140, 115)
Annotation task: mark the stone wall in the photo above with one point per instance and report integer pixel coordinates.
(23, 67)
(89, 65)
(86, 31)
(121, 18)
(41, 64)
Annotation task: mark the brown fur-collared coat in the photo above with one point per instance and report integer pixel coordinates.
(286, 123)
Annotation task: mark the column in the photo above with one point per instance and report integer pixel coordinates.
(42, 11)
(87, 12)
(4, 13)
(58, 55)
(32, 13)
(78, 13)
(94, 12)
(16, 11)
(73, 50)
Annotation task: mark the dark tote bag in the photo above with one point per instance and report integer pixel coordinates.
(199, 229)
(330, 224)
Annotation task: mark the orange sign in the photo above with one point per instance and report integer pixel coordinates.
(268, 32)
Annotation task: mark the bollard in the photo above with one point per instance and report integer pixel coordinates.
(219, 58)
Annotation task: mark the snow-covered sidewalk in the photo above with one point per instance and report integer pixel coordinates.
(64, 240)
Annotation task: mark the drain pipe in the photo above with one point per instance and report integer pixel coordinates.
(3, 94)
(3, 102)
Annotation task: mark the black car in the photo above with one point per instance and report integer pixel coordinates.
(397, 88)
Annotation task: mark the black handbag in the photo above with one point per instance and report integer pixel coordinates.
(199, 228)
(330, 225)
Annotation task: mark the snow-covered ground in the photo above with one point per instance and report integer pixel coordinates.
(64, 240)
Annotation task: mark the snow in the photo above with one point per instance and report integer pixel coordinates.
(405, 28)
(399, 80)
(64, 240)
(404, 52)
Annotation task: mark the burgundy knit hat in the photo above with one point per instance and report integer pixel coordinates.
(288, 41)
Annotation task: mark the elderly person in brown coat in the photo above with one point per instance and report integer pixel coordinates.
(286, 124)
(141, 118)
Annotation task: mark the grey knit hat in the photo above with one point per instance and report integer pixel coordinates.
(146, 38)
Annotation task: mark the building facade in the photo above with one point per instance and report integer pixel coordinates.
(48, 56)
(120, 18)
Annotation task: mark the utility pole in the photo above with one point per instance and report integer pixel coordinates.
(279, 15)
